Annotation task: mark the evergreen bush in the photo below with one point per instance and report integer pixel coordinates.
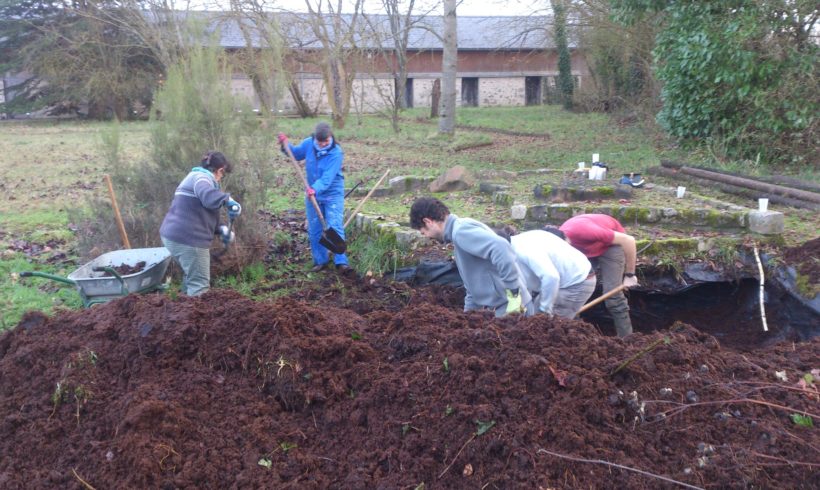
(194, 112)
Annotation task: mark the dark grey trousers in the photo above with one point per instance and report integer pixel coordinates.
(610, 267)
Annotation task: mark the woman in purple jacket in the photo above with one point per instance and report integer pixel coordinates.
(193, 219)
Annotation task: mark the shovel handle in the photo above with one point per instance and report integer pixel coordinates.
(353, 214)
(304, 180)
(601, 298)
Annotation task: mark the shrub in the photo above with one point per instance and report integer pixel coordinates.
(194, 112)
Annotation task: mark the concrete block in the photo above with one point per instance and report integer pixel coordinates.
(561, 212)
(538, 213)
(407, 237)
(492, 187)
(405, 183)
(766, 222)
(519, 211)
(502, 198)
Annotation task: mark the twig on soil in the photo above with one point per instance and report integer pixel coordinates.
(471, 439)
(640, 354)
(600, 461)
(248, 347)
(783, 460)
(85, 483)
(170, 451)
(676, 410)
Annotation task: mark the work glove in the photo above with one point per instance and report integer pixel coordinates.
(283, 139)
(225, 234)
(630, 281)
(514, 301)
(234, 208)
(311, 192)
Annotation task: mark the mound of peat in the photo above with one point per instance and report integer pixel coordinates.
(225, 392)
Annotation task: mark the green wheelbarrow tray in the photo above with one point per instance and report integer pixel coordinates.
(95, 286)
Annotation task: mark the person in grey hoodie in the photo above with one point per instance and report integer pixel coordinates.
(193, 219)
(485, 261)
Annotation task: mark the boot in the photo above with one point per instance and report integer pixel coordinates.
(623, 325)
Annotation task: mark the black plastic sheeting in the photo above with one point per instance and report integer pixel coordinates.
(726, 306)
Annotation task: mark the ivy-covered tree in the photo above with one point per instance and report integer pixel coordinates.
(565, 81)
(742, 73)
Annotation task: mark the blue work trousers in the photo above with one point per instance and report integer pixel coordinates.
(333, 209)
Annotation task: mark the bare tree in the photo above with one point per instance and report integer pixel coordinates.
(447, 119)
(335, 33)
(263, 57)
(391, 34)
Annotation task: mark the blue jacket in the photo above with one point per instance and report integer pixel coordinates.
(323, 168)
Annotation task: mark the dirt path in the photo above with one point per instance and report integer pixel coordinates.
(373, 385)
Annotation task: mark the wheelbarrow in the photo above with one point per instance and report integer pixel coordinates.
(99, 282)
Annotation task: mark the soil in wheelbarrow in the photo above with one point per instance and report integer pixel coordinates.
(125, 269)
(375, 385)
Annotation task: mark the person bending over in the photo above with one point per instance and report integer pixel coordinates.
(560, 276)
(485, 261)
(612, 252)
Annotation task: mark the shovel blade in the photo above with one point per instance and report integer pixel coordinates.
(332, 241)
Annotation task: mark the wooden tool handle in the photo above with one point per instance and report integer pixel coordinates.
(307, 186)
(601, 298)
(353, 214)
(120, 224)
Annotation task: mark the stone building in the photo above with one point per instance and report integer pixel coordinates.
(502, 61)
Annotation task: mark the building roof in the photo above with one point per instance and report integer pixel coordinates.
(474, 33)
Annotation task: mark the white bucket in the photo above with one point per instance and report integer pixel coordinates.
(581, 165)
(596, 157)
(763, 204)
(681, 191)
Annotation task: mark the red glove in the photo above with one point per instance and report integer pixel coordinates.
(283, 138)
(311, 192)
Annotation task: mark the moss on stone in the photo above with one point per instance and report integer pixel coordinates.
(804, 286)
(605, 191)
(635, 214)
(673, 246)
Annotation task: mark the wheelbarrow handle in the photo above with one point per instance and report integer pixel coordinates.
(110, 270)
(47, 276)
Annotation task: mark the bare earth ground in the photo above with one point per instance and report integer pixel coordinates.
(389, 387)
(361, 383)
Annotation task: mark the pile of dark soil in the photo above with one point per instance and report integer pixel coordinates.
(325, 392)
(806, 259)
(125, 269)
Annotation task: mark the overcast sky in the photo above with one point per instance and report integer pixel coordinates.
(465, 7)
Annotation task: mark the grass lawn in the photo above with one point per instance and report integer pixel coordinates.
(49, 168)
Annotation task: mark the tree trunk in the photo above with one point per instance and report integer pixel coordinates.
(302, 107)
(447, 120)
(436, 99)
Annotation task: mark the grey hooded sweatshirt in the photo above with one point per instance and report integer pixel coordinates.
(486, 263)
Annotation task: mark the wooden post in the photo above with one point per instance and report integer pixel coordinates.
(117, 215)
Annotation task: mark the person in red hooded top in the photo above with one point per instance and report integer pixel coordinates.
(604, 241)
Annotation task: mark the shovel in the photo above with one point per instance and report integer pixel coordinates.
(601, 298)
(330, 238)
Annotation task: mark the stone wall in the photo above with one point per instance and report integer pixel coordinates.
(502, 91)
